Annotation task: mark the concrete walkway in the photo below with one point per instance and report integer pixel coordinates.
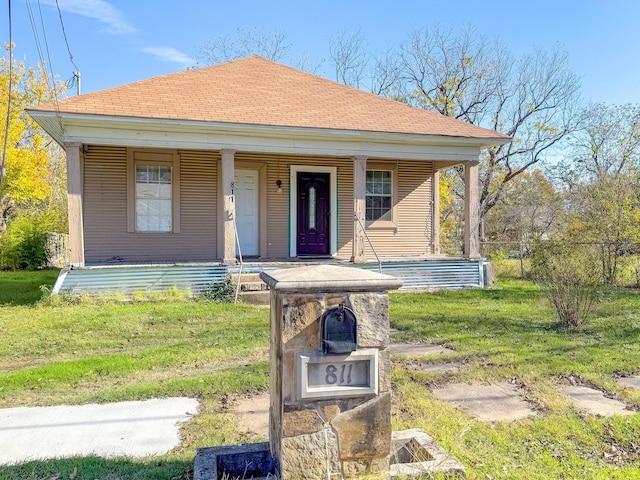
(125, 429)
(487, 403)
(594, 402)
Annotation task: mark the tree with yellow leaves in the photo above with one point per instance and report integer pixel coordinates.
(25, 179)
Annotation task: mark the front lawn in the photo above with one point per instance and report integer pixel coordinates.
(56, 352)
(24, 288)
(510, 334)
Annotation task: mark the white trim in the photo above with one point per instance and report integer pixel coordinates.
(164, 133)
(368, 356)
(293, 206)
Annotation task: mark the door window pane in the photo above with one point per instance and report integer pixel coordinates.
(312, 208)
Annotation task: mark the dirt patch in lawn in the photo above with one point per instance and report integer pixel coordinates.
(252, 416)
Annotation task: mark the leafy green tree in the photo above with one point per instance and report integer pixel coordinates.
(601, 177)
(451, 210)
(530, 208)
(608, 142)
(606, 213)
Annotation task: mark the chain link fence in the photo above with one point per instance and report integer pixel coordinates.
(619, 261)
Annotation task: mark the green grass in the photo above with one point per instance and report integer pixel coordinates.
(509, 333)
(55, 352)
(111, 351)
(23, 288)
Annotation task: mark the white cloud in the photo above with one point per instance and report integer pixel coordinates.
(99, 10)
(170, 54)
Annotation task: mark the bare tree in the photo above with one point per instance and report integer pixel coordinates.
(350, 57)
(272, 45)
(386, 76)
(533, 98)
(307, 64)
(224, 47)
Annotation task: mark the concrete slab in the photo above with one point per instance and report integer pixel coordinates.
(487, 403)
(252, 416)
(437, 367)
(594, 402)
(631, 382)
(126, 429)
(417, 349)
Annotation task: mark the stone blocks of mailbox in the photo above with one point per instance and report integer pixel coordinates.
(330, 412)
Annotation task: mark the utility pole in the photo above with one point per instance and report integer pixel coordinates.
(76, 75)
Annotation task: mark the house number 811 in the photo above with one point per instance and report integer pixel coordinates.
(331, 376)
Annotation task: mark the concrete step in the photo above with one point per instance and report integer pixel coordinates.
(249, 278)
(253, 286)
(251, 282)
(261, 297)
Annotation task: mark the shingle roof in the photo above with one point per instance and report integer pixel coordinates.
(257, 91)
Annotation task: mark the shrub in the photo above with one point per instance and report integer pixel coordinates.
(220, 292)
(571, 277)
(23, 246)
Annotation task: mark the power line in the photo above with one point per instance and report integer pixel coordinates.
(6, 124)
(66, 41)
(46, 65)
(51, 78)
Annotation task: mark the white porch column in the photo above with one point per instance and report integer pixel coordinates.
(471, 210)
(435, 214)
(74, 200)
(359, 208)
(228, 207)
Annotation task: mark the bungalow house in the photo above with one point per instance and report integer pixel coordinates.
(256, 160)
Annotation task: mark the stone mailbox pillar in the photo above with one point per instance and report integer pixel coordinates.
(330, 413)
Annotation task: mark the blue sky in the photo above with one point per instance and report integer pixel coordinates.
(120, 41)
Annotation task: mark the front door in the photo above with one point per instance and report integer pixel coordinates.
(313, 213)
(247, 211)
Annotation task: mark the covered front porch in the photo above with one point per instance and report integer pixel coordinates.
(230, 204)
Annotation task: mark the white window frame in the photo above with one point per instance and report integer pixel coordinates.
(158, 193)
(373, 166)
(165, 158)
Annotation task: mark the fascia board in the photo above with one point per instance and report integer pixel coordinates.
(130, 131)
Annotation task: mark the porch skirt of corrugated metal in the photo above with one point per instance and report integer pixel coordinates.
(195, 278)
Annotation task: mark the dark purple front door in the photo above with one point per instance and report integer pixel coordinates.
(313, 213)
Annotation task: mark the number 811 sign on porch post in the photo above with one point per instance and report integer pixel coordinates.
(322, 376)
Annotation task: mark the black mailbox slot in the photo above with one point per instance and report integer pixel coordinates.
(339, 328)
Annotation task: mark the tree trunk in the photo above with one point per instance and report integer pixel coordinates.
(7, 206)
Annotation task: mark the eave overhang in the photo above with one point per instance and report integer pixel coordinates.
(187, 134)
